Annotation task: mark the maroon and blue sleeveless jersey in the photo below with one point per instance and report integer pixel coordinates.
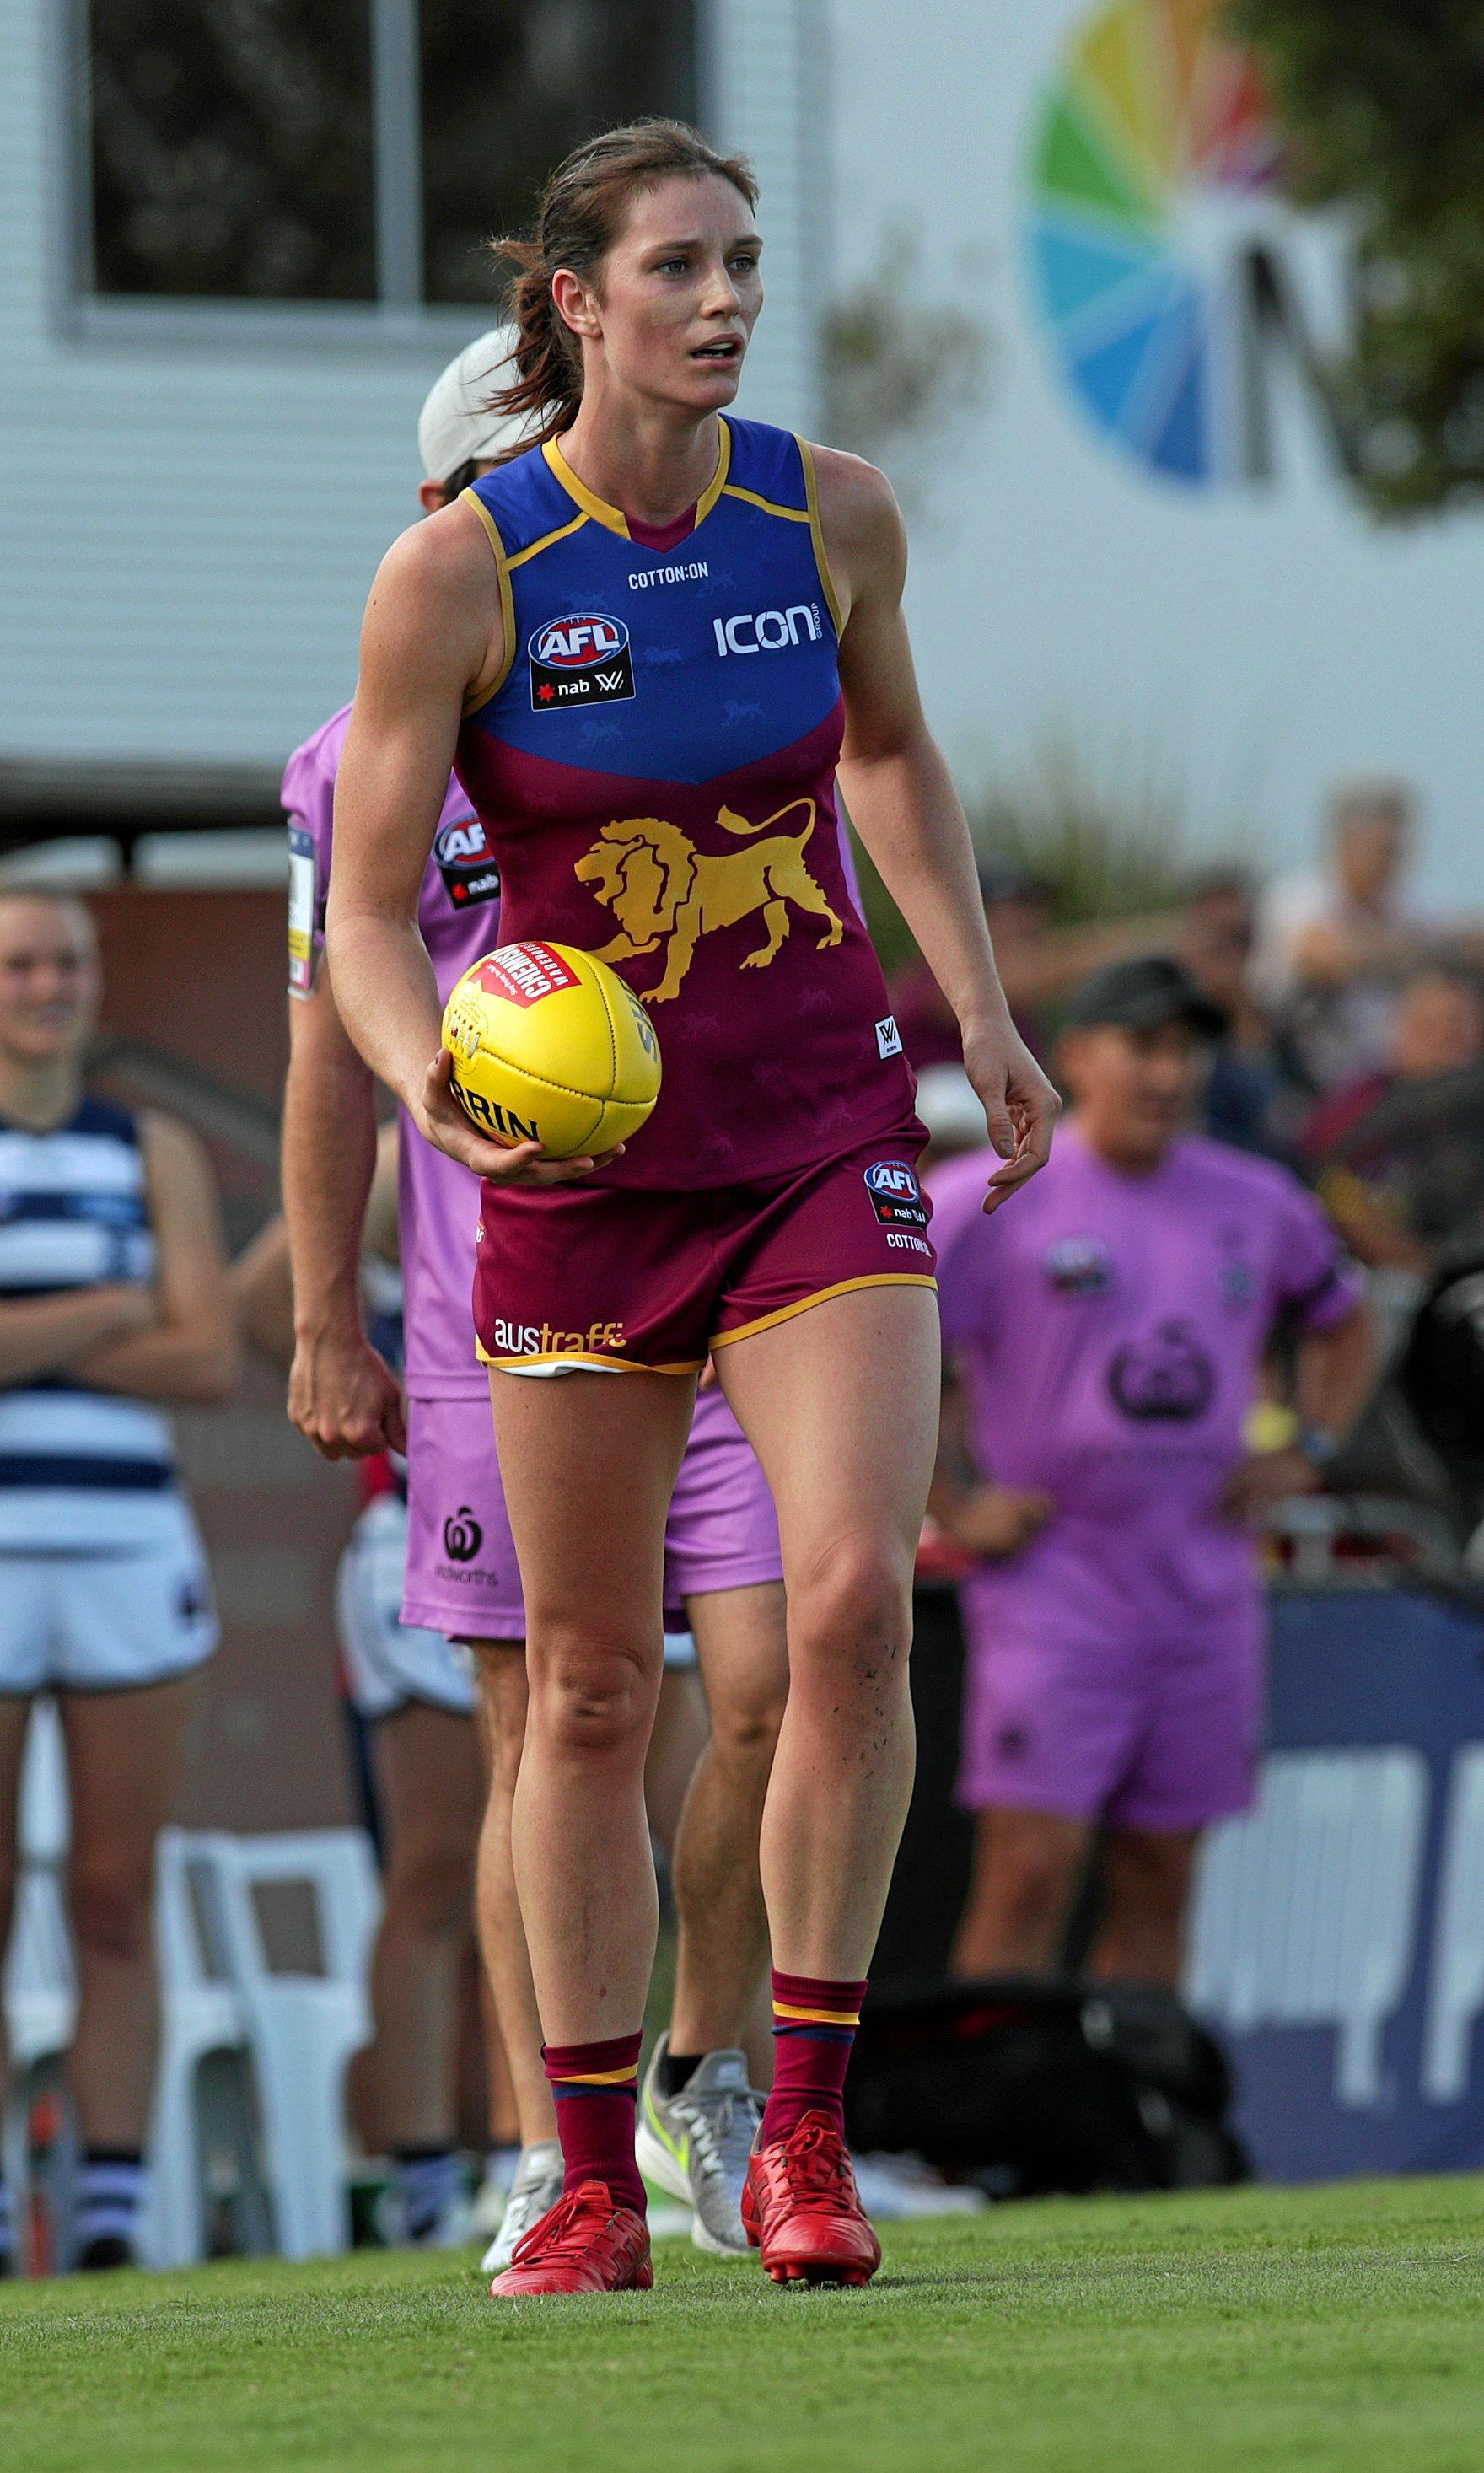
(656, 774)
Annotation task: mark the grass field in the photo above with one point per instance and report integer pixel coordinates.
(1234, 2333)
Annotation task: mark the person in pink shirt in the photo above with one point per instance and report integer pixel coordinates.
(1103, 1345)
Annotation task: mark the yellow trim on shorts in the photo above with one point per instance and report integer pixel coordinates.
(817, 530)
(475, 704)
(841, 1288)
(579, 1357)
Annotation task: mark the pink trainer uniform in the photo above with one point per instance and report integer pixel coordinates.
(1109, 1329)
(462, 1575)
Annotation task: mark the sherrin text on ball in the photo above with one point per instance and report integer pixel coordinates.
(551, 1047)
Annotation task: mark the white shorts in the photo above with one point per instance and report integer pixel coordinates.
(390, 1663)
(107, 1622)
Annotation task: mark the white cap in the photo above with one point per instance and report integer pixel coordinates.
(452, 427)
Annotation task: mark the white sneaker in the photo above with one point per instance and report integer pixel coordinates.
(896, 2187)
(488, 2211)
(696, 2145)
(536, 2187)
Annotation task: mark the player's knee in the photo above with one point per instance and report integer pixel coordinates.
(745, 1719)
(849, 1617)
(1032, 1878)
(506, 1717)
(432, 1890)
(110, 1912)
(595, 1692)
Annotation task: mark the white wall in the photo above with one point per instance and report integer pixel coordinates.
(1259, 641)
(188, 526)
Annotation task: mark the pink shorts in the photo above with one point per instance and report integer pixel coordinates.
(1147, 1734)
(621, 1277)
(461, 1574)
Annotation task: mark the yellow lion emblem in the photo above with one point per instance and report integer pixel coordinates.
(661, 889)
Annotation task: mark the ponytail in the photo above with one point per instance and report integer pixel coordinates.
(581, 213)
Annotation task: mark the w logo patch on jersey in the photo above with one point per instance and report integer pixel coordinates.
(579, 660)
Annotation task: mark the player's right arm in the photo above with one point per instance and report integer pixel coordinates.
(991, 1522)
(341, 1394)
(432, 637)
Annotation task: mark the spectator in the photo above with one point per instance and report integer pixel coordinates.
(1398, 1154)
(1247, 1086)
(1333, 949)
(1040, 965)
(1104, 1334)
(115, 1306)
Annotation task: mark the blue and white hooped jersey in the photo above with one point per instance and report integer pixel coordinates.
(80, 1469)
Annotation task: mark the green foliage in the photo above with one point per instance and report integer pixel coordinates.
(900, 366)
(1246, 2331)
(1104, 844)
(1106, 838)
(1382, 104)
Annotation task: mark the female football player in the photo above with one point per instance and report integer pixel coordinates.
(660, 787)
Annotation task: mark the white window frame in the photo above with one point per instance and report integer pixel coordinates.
(399, 315)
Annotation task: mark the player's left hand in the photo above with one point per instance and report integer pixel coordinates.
(1020, 1105)
(1256, 1484)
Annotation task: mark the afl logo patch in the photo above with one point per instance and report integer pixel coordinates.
(896, 1195)
(579, 660)
(462, 850)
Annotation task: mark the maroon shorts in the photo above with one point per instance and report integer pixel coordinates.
(589, 1275)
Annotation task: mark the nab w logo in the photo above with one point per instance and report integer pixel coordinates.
(579, 660)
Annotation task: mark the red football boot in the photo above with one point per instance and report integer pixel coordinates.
(581, 2244)
(799, 2208)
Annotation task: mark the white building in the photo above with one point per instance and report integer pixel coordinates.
(1139, 540)
(195, 490)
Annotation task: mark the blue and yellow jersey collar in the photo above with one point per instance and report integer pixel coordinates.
(613, 519)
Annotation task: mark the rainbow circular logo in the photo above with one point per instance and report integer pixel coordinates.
(1155, 129)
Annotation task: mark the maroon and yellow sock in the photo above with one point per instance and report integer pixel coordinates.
(814, 2022)
(596, 2087)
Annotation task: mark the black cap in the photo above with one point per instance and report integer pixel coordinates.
(1003, 879)
(1144, 994)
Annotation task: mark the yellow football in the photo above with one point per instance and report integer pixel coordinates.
(550, 1046)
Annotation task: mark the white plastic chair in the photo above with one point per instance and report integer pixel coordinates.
(201, 2017)
(44, 1817)
(38, 1982)
(41, 2011)
(302, 2027)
